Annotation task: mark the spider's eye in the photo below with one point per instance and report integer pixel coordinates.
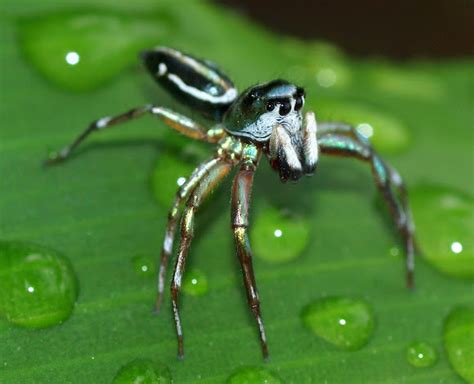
(298, 103)
(285, 108)
(270, 106)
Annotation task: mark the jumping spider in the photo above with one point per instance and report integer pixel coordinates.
(265, 119)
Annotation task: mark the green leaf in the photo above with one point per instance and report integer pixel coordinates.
(99, 210)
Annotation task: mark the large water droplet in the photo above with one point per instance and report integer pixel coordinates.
(346, 323)
(144, 266)
(278, 236)
(38, 287)
(81, 50)
(195, 283)
(459, 341)
(253, 375)
(444, 219)
(421, 354)
(385, 132)
(143, 371)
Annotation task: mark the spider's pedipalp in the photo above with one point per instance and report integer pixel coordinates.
(342, 140)
(310, 143)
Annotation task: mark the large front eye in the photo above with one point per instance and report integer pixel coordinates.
(270, 106)
(285, 108)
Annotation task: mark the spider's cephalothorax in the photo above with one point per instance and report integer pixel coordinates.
(265, 119)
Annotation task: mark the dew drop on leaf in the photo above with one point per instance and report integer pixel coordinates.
(459, 341)
(195, 283)
(421, 354)
(278, 237)
(79, 51)
(346, 323)
(143, 371)
(38, 287)
(253, 375)
(444, 220)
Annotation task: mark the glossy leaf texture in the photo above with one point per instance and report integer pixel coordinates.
(101, 212)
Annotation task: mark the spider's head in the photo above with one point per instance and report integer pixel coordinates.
(259, 109)
(269, 115)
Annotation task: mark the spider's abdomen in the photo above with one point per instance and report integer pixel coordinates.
(197, 83)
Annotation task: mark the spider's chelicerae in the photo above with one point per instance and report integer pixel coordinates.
(265, 119)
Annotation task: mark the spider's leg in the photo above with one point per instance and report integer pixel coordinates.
(342, 140)
(175, 120)
(173, 217)
(241, 193)
(208, 182)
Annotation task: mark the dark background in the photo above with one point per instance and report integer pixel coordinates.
(398, 29)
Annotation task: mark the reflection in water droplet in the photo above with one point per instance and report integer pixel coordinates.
(72, 58)
(181, 180)
(144, 265)
(444, 225)
(277, 237)
(143, 371)
(346, 323)
(421, 354)
(81, 50)
(38, 287)
(195, 283)
(365, 130)
(459, 341)
(253, 375)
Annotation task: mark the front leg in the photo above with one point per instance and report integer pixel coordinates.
(241, 192)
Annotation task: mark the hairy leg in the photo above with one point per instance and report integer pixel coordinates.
(211, 179)
(173, 216)
(241, 193)
(176, 121)
(343, 140)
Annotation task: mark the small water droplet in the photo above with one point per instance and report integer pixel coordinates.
(195, 283)
(458, 339)
(144, 265)
(81, 50)
(253, 375)
(170, 172)
(38, 287)
(326, 77)
(143, 371)
(346, 323)
(444, 228)
(278, 237)
(421, 354)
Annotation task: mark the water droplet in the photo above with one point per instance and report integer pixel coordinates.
(386, 133)
(144, 266)
(278, 237)
(143, 371)
(253, 375)
(195, 283)
(459, 341)
(346, 323)
(38, 287)
(421, 354)
(444, 228)
(326, 77)
(81, 50)
(171, 171)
